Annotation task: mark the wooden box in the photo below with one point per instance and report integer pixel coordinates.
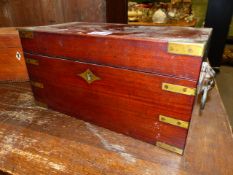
(136, 80)
(12, 64)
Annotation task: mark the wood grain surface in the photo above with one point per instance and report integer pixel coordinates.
(45, 12)
(126, 101)
(34, 140)
(140, 48)
(131, 63)
(11, 67)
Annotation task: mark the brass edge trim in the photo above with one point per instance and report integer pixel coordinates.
(26, 34)
(169, 147)
(179, 89)
(32, 61)
(37, 84)
(192, 49)
(175, 122)
(41, 104)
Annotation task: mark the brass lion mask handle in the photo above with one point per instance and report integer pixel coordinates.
(89, 76)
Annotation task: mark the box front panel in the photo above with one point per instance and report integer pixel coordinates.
(12, 65)
(121, 100)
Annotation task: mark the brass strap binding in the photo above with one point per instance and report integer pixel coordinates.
(169, 148)
(175, 122)
(32, 61)
(37, 84)
(179, 89)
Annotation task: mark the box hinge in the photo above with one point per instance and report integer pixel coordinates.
(169, 147)
(26, 34)
(179, 89)
(32, 61)
(175, 122)
(192, 49)
(43, 105)
(37, 84)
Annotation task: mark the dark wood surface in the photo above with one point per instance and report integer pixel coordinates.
(44, 12)
(117, 11)
(140, 48)
(11, 67)
(126, 101)
(35, 140)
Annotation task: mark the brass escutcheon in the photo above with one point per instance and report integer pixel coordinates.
(89, 76)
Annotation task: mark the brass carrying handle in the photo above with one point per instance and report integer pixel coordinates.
(89, 76)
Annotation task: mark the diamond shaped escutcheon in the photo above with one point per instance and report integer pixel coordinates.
(89, 76)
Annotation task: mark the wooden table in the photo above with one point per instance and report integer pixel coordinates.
(34, 140)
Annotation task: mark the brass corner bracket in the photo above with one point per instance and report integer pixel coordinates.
(191, 49)
(26, 34)
(170, 148)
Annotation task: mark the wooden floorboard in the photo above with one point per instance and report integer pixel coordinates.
(34, 140)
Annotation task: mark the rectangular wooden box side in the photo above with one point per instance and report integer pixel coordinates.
(134, 100)
(140, 55)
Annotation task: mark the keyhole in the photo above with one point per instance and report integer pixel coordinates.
(18, 55)
(89, 77)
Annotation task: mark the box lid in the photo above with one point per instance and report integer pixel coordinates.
(9, 38)
(173, 51)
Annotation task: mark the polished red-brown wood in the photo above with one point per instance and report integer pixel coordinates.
(134, 100)
(12, 64)
(132, 47)
(47, 12)
(132, 63)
